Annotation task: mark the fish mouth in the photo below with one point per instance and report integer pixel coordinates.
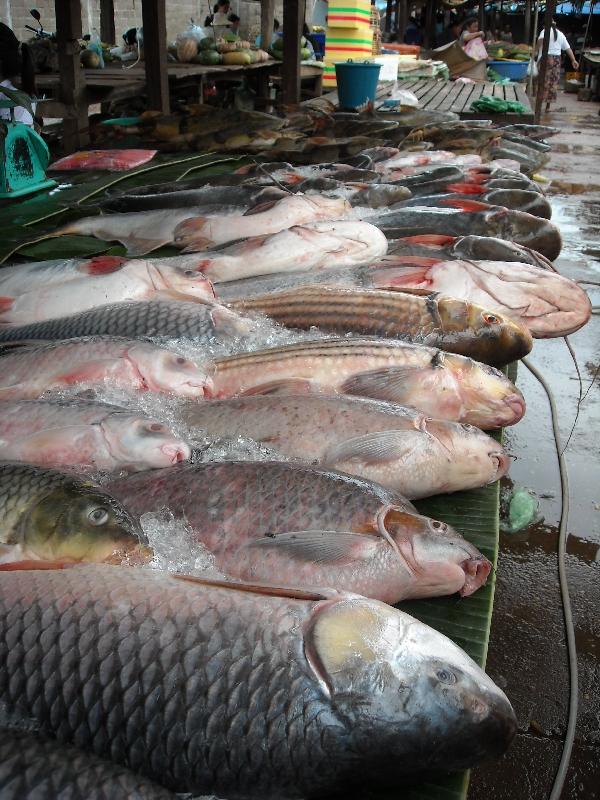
(176, 452)
(501, 463)
(516, 403)
(476, 573)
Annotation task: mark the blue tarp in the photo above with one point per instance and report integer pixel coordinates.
(567, 8)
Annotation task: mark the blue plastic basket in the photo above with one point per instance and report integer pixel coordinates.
(356, 82)
(513, 70)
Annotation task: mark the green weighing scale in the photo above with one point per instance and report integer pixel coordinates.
(24, 155)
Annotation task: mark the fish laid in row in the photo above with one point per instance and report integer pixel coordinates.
(442, 385)
(396, 446)
(144, 231)
(289, 687)
(310, 527)
(50, 516)
(467, 217)
(434, 320)
(26, 372)
(513, 199)
(86, 435)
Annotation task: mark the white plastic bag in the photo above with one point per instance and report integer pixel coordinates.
(532, 69)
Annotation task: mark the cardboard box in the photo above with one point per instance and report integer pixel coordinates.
(349, 13)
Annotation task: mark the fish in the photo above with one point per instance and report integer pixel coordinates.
(529, 160)
(206, 196)
(143, 231)
(442, 385)
(330, 244)
(201, 322)
(468, 217)
(50, 516)
(36, 301)
(435, 320)
(33, 766)
(310, 527)
(26, 372)
(465, 180)
(547, 303)
(310, 678)
(396, 446)
(419, 158)
(536, 132)
(86, 435)
(514, 199)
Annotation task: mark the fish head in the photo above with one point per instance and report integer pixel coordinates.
(490, 400)
(410, 696)
(139, 443)
(161, 370)
(330, 207)
(500, 339)
(186, 281)
(82, 523)
(438, 558)
(475, 457)
(527, 230)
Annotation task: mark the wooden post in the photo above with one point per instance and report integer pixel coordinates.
(107, 21)
(429, 32)
(482, 15)
(402, 18)
(292, 31)
(399, 33)
(267, 15)
(155, 54)
(539, 97)
(527, 32)
(72, 78)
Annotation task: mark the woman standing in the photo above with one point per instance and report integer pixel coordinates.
(16, 64)
(471, 39)
(557, 46)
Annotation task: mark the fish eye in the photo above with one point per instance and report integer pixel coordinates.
(466, 427)
(98, 516)
(156, 427)
(437, 525)
(490, 319)
(180, 360)
(189, 273)
(445, 676)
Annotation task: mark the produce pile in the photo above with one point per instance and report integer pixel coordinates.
(211, 51)
(213, 434)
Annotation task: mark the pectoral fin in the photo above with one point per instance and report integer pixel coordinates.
(272, 590)
(140, 245)
(288, 386)
(319, 547)
(373, 448)
(388, 383)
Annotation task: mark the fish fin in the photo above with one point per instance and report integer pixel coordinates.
(28, 564)
(140, 246)
(186, 231)
(405, 261)
(287, 386)
(372, 448)
(465, 188)
(93, 370)
(318, 547)
(272, 590)
(6, 303)
(466, 205)
(260, 208)
(102, 265)
(429, 238)
(387, 383)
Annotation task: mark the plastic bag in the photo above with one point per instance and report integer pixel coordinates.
(532, 68)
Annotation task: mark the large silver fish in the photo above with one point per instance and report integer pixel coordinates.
(129, 364)
(202, 322)
(224, 690)
(396, 446)
(442, 385)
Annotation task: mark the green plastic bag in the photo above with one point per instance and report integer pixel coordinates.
(498, 106)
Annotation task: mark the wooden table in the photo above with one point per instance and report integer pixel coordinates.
(115, 83)
(438, 95)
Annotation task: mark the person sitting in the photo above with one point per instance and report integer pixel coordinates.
(220, 9)
(451, 34)
(277, 32)
(471, 39)
(234, 24)
(16, 64)
(413, 34)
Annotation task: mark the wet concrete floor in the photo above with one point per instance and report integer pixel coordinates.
(527, 654)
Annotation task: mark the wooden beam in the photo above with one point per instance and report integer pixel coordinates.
(292, 31)
(267, 15)
(527, 33)
(401, 18)
(543, 62)
(155, 54)
(429, 32)
(75, 124)
(388, 16)
(107, 21)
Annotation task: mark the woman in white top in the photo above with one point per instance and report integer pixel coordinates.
(557, 46)
(16, 64)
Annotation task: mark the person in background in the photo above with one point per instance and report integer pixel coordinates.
(223, 8)
(16, 64)
(234, 24)
(471, 39)
(556, 47)
(276, 32)
(413, 34)
(451, 34)
(309, 43)
(506, 34)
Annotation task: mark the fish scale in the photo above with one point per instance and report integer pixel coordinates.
(86, 653)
